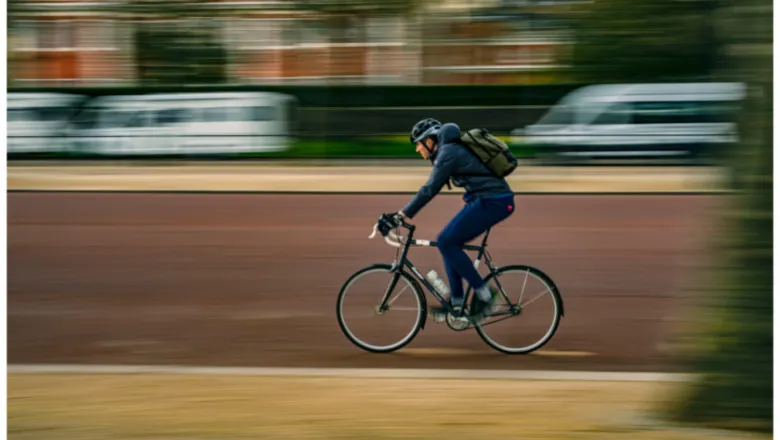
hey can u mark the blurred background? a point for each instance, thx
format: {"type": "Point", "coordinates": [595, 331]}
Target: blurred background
{"type": "Point", "coordinates": [405, 42]}
{"type": "Point", "coordinates": [348, 78]}
{"type": "Point", "coordinates": [683, 85]}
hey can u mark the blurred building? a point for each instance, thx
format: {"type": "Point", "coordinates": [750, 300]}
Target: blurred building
{"type": "Point", "coordinates": [503, 42]}
{"type": "Point", "coordinates": [68, 43]}
{"type": "Point", "coordinates": [113, 42]}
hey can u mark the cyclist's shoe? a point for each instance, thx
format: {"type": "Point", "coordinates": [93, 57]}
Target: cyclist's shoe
{"type": "Point", "coordinates": [440, 313]}
{"type": "Point", "coordinates": [483, 309]}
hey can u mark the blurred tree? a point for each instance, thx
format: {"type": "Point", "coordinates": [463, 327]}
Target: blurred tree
{"type": "Point", "coordinates": [644, 41]}
{"type": "Point", "coordinates": [12, 10]}
{"type": "Point", "coordinates": [358, 7]}
{"type": "Point", "coordinates": [733, 332]}
{"type": "Point", "coordinates": [13, 40]}
{"type": "Point", "coordinates": [189, 50]}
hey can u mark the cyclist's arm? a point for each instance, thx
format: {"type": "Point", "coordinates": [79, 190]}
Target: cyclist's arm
{"type": "Point", "coordinates": [443, 168]}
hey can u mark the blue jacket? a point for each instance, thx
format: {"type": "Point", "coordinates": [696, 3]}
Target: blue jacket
{"type": "Point", "coordinates": [453, 160]}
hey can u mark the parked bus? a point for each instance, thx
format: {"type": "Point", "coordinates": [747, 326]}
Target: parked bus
{"type": "Point", "coordinates": [185, 124]}
{"type": "Point", "coordinates": [37, 122]}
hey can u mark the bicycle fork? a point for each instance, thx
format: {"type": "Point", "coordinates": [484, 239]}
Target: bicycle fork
{"type": "Point", "coordinates": [384, 306]}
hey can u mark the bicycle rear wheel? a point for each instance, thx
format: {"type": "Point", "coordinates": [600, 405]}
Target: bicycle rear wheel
{"type": "Point", "coordinates": [528, 313]}
{"type": "Point", "coordinates": [374, 330]}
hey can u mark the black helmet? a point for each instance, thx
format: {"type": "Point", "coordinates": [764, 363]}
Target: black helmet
{"type": "Point", "coordinates": [423, 129]}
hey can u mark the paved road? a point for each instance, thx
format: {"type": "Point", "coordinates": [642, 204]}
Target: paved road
{"type": "Point", "coordinates": [251, 279]}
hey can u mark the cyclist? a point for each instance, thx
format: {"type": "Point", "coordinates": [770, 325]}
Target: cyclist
{"type": "Point", "coordinates": [488, 201]}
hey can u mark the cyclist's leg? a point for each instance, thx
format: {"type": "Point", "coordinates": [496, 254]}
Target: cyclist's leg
{"type": "Point", "coordinates": [454, 278]}
{"type": "Point", "coordinates": [456, 284]}
{"type": "Point", "coordinates": [471, 222]}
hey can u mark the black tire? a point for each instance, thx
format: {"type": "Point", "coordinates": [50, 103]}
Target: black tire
{"type": "Point", "coordinates": [556, 318]}
{"type": "Point", "coordinates": [418, 323]}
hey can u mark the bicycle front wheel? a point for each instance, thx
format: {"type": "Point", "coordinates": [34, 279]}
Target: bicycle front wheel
{"type": "Point", "coordinates": [527, 313]}
{"type": "Point", "coordinates": [365, 323]}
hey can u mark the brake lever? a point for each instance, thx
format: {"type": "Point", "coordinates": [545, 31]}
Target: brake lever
{"type": "Point", "coordinates": [390, 235]}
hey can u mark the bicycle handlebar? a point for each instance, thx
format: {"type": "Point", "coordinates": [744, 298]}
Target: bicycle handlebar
{"type": "Point", "coordinates": [390, 234]}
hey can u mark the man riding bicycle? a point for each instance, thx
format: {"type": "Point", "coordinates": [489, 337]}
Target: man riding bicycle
{"type": "Point", "coordinates": [489, 200]}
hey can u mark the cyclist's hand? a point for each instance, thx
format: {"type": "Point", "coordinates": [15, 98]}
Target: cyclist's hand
{"type": "Point", "coordinates": [386, 223]}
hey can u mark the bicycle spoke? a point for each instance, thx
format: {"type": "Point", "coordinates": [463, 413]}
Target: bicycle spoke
{"type": "Point", "coordinates": [397, 295]}
{"type": "Point", "coordinates": [522, 291]}
{"type": "Point", "coordinates": [535, 298]}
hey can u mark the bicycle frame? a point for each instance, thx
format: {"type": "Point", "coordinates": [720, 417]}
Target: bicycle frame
{"type": "Point", "coordinates": [404, 262]}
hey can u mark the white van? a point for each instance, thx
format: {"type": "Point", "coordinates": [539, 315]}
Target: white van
{"type": "Point", "coordinates": [638, 120]}
{"type": "Point", "coordinates": [185, 124]}
{"type": "Point", "coordinates": [37, 121]}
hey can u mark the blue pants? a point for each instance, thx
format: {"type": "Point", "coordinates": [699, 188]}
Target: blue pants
{"type": "Point", "coordinates": [472, 221]}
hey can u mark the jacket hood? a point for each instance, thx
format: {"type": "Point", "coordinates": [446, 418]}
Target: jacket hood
{"type": "Point", "coordinates": [448, 133]}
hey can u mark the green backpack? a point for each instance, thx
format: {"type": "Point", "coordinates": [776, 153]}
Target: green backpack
{"type": "Point", "coordinates": [490, 150]}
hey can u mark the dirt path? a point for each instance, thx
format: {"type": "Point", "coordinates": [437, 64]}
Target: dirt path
{"type": "Point", "coordinates": [253, 177]}
{"type": "Point", "coordinates": [104, 407]}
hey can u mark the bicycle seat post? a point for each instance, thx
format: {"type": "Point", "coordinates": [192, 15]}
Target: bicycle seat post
{"type": "Point", "coordinates": [485, 238]}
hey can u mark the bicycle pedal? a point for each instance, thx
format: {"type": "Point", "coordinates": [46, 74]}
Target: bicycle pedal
{"type": "Point", "coordinates": [439, 317]}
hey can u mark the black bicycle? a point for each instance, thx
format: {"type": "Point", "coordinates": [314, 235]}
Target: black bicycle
{"type": "Point", "coordinates": [371, 295]}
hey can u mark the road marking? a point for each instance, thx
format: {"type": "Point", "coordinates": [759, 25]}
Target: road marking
{"type": "Point", "coordinates": [562, 353]}
{"type": "Point", "coordinates": [435, 351]}
{"type": "Point", "coordinates": [609, 376]}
